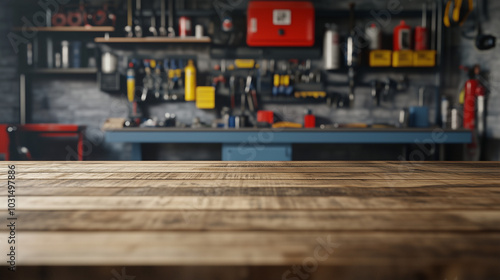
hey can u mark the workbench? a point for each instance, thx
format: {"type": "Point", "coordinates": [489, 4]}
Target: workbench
{"type": "Point", "coordinates": [251, 144]}
{"type": "Point", "coordinates": [254, 220]}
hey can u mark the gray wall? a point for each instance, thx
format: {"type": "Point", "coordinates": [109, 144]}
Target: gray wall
{"type": "Point", "coordinates": [490, 62]}
{"type": "Point", "coordinates": [77, 99]}
{"type": "Point", "coordinates": [9, 86]}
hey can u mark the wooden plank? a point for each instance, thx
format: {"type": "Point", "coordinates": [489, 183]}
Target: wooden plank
{"type": "Point", "coordinates": [252, 203]}
{"type": "Point", "coordinates": [256, 248]}
{"type": "Point", "coordinates": [256, 213]}
{"type": "Point", "coordinates": [257, 176]}
{"type": "Point", "coordinates": [431, 164]}
{"type": "Point", "coordinates": [285, 220]}
{"type": "Point", "coordinates": [451, 191]}
{"type": "Point", "coordinates": [249, 169]}
{"type": "Point", "coordinates": [351, 183]}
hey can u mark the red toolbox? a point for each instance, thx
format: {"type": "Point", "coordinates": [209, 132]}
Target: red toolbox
{"type": "Point", "coordinates": [280, 23]}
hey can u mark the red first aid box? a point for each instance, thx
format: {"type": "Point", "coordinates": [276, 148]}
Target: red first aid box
{"type": "Point", "coordinates": [280, 23]}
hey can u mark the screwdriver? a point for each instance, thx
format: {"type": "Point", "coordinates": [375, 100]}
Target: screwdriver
{"type": "Point", "coordinates": [130, 82]}
{"type": "Point", "coordinates": [232, 90]}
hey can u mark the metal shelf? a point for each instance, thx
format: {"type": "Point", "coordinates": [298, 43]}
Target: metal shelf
{"type": "Point", "coordinates": [152, 40]}
{"type": "Point", "coordinates": [69, 29]}
{"type": "Point", "coordinates": [64, 71]}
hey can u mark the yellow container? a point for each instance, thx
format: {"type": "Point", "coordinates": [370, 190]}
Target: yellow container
{"type": "Point", "coordinates": [205, 97]}
{"type": "Point", "coordinates": [305, 94]}
{"type": "Point", "coordinates": [402, 58]}
{"type": "Point", "coordinates": [425, 58]}
{"type": "Point", "coordinates": [130, 85]}
{"type": "Point", "coordinates": [190, 82]}
{"type": "Point", "coordinates": [380, 58]}
{"type": "Point", "coordinates": [276, 80]}
{"type": "Point", "coordinates": [244, 63]}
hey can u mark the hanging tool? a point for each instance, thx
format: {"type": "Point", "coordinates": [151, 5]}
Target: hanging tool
{"type": "Point", "coordinates": [163, 19]}
{"type": "Point", "coordinates": [171, 28]}
{"type": "Point", "coordinates": [128, 28]}
{"type": "Point", "coordinates": [152, 28]}
{"type": "Point", "coordinates": [251, 94]}
{"type": "Point", "coordinates": [157, 78]}
{"type": "Point", "coordinates": [276, 84]}
{"type": "Point", "coordinates": [165, 80]}
{"type": "Point", "coordinates": [376, 89]}
{"type": "Point", "coordinates": [232, 91]}
{"type": "Point", "coordinates": [351, 54]}
{"type": "Point", "coordinates": [243, 96]}
{"type": "Point", "coordinates": [147, 81]}
{"type": "Point", "coordinates": [483, 41]}
{"type": "Point", "coordinates": [434, 23]}
{"type": "Point", "coordinates": [421, 33]}
{"type": "Point", "coordinates": [131, 82]}
{"type": "Point", "coordinates": [138, 19]}
{"type": "Point", "coordinates": [456, 12]}
{"type": "Point", "coordinates": [172, 78]}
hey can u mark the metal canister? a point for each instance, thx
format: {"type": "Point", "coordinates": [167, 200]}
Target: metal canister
{"type": "Point", "coordinates": [65, 54]}
{"type": "Point", "coordinates": [455, 119]}
{"type": "Point", "coordinates": [108, 63]}
{"type": "Point", "coordinates": [331, 48]}
{"type": "Point", "coordinates": [185, 27]}
{"type": "Point", "coordinates": [444, 112]}
{"type": "Point", "coordinates": [403, 118]}
{"type": "Point", "coordinates": [480, 114]}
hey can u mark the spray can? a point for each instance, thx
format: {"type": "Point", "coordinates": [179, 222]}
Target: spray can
{"type": "Point", "coordinates": [190, 82]}
{"type": "Point", "coordinates": [131, 83]}
{"type": "Point", "coordinates": [185, 26]}
{"type": "Point", "coordinates": [331, 48]}
{"type": "Point", "coordinates": [374, 36]}
{"type": "Point", "coordinates": [445, 104]}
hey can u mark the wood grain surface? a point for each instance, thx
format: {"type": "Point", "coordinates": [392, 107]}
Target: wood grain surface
{"type": "Point", "coordinates": [256, 213]}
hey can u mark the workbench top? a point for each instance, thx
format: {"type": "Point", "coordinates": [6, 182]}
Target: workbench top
{"type": "Point", "coordinates": [289, 135]}
{"type": "Point", "coordinates": [256, 213]}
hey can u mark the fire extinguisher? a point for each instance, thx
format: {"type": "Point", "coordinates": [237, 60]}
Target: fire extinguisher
{"type": "Point", "coordinates": [472, 90]}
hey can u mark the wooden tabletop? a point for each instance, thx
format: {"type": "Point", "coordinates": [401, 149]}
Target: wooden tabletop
{"type": "Point", "coordinates": [255, 213]}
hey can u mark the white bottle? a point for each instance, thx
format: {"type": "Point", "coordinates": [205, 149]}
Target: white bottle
{"type": "Point", "coordinates": [374, 36]}
{"type": "Point", "coordinates": [331, 48]}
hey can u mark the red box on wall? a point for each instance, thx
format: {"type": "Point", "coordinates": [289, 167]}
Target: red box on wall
{"type": "Point", "coordinates": [280, 23]}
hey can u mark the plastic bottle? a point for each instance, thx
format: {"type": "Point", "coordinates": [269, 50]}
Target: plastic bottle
{"type": "Point", "coordinates": [190, 82]}
{"type": "Point", "coordinates": [402, 37]}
